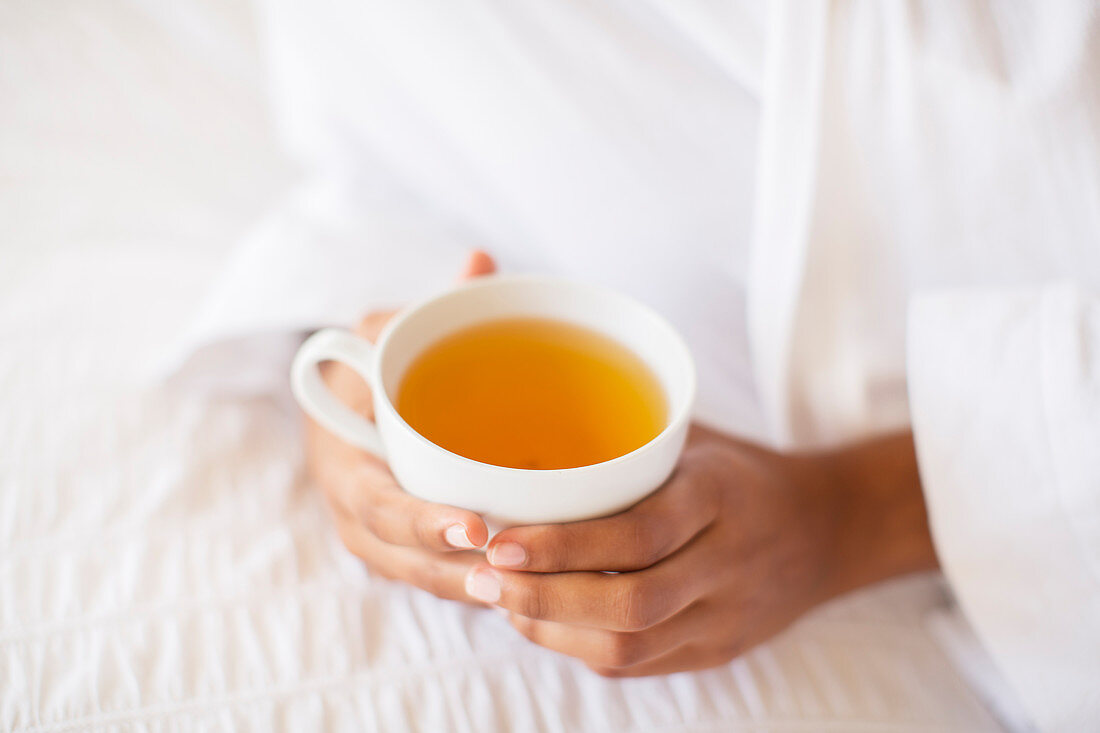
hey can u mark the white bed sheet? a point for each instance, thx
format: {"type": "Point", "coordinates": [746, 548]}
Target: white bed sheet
{"type": "Point", "coordinates": [163, 563]}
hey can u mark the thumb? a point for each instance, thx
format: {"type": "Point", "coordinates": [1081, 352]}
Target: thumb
{"type": "Point", "coordinates": [477, 264]}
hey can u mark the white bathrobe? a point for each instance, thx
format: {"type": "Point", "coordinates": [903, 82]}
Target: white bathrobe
{"type": "Point", "coordinates": [862, 215]}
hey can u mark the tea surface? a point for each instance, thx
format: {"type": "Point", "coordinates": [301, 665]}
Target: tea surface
{"type": "Point", "coordinates": [532, 393]}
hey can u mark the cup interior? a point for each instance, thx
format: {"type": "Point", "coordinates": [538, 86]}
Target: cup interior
{"type": "Point", "coordinates": [617, 316]}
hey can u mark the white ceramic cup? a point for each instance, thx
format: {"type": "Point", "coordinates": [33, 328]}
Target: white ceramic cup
{"type": "Point", "coordinates": [505, 496]}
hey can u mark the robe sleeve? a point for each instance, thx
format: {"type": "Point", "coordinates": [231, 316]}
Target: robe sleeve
{"type": "Point", "coordinates": [1005, 397]}
{"type": "Point", "coordinates": [325, 255]}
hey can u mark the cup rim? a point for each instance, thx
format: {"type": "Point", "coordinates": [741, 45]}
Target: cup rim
{"type": "Point", "coordinates": [672, 426]}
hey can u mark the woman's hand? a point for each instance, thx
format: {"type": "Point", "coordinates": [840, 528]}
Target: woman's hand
{"type": "Point", "coordinates": [394, 533]}
{"type": "Point", "coordinates": [736, 545]}
{"type": "Point", "coordinates": [739, 543]}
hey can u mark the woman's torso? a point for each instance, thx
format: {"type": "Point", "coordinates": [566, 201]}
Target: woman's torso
{"type": "Point", "coordinates": [619, 142]}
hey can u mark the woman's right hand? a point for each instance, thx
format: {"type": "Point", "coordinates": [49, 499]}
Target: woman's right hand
{"type": "Point", "coordinates": [394, 533]}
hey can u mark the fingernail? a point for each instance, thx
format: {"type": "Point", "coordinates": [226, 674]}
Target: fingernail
{"type": "Point", "coordinates": [456, 537]}
{"type": "Point", "coordinates": [507, 555]}
{"type": "Point", "coordinates": [483, 585]}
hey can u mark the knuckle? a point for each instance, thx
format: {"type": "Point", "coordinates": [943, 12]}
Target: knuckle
{"type": "Point", "coordinates": [637, 607]}
{"type": "Point", "coordinates": [621, 649]}
{"type": "Point", "coordinates": [380, 517]}
{"type": "Point", "coordinates": [429, 577]}
{"type": "Point", "coordinates": [711, 495]}
{"type": "Point", "coordinates": [368, 516]}
{"type": "Point", "coordinates": [648, 540]}
{"type": "Point", "coordinates": [550, 545]}
{"type": "Point", "coordinates": [533, 599]}
{"type": "Point", "coordinates": [425, 531]}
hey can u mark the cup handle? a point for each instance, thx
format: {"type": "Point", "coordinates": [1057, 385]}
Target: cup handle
{"type": "Point", "coordinates": [335, 344]}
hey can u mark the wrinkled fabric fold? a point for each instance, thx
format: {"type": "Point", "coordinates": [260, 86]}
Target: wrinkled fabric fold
{"type": "Point", "coordinates": [1005, 389]}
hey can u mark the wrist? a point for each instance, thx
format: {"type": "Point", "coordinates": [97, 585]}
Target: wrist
{"type": "Point", "coordinates": [880, 525]}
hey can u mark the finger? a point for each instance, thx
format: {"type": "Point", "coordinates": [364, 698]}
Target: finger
{"type": "Point", "coordinates": [631, 540]}
{"type": "Point", "coordinates": [369, 493]}
{"type": "Point", "coordinates": [603, 648]}
{"type": "Point", "coordinates": [477, 264]}
{"type": "Point", "coordinates": [345, 381]}
{"type": "Point", "coordinates": [371, 325]}
{"type": "Point", "coordinates": [686, 658]}
{"type": "Point", "coordinates": [441, 574]}
{"type": "Point", "coordinates": [619, 602]}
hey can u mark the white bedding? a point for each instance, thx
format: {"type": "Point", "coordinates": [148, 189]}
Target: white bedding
{"type": "Point", "coordinates": [163, 563]}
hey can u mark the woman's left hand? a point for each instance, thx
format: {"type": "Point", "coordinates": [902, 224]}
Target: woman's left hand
{"type": "Point", "coordinates": [739, 543]}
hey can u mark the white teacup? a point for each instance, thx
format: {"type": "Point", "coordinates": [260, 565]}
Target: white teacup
{"type": "Point", "coordinates": [505, 496]}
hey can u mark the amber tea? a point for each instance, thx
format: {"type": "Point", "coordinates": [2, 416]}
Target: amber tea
{"type": "Point", "coordinates": [532, 393]}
